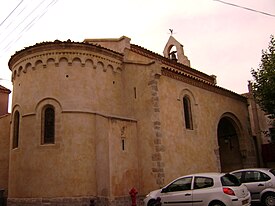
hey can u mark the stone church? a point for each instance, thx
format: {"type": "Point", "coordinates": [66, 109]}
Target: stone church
{"type": "Point", "coordinates": [90, 120]}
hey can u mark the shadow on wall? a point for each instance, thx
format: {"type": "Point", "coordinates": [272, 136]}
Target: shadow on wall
{"type": "Point", "coordinates": [3, 200]}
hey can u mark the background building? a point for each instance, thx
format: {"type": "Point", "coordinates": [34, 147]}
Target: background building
{"type": "Point", "coordinates": [263, 131]}
{"type": "Point", "coordinates": [4, 142]}
{"type": "Point", "coordinates": [91, 120]}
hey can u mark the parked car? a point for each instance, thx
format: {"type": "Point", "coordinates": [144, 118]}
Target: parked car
{"type": "Point", "coordinates": [204, 189]}
{"type": "Point", "coordinates": [260, 182]}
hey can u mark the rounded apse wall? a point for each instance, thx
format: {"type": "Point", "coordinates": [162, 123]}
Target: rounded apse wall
{"type": "Point", "coordinates": [62, 84]}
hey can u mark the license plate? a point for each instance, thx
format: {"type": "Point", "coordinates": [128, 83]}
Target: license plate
{"type": "Point", "coordinates": [244, 202]}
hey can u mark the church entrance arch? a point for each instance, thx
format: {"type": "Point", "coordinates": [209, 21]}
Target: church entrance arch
{"type": "Point", "coordinates": [229, 148]}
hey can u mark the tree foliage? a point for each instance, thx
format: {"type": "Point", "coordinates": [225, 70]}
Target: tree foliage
{"type": "Point", "coordinates": [263, 85]}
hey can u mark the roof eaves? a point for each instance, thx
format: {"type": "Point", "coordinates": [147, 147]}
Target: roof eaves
{"type": "Point", "coordinates": [4, 90]}
{"type": "Point", "coordinates": [205, 84]}
{"type": "Point", "coordinates": [164, 60]}
{"type": "Point", "coordinates": [64, 43]}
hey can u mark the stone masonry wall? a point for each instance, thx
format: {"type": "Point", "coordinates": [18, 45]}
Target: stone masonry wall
{"type": "Point", "coordinates": [158, 163]}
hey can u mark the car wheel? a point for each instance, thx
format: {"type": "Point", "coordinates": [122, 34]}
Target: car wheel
{"type": "Point", "coordinates": [151, 203]}
{"type": "Point", "coordinates": [269, 199]}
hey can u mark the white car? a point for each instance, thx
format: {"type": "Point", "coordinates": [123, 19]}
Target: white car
{"type": "Point", "coordinates": [260, 182]}
{"type": "Point", "coordinates": [204, 189]}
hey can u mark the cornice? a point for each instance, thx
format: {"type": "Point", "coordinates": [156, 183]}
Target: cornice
{"type": "Point", "coordinates": [69, 46]}
{"type": "Point", "coordinates": [180, 76]}
{"type": "Point", "coordinates": [94, 60]}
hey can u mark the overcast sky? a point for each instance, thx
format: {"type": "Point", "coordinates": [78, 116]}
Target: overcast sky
{"type": "Point", "coordinates": [218, 38]}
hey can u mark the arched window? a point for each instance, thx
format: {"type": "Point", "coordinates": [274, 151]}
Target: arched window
{"type": "Point", "coordinates": [15, 138]}
{"type": "Point", "coordinates": [48, 126]}
{"type": "Point", "coordinates": [187, 113]}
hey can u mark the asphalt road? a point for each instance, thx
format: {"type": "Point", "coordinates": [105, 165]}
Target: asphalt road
{"type": "Point", "coordinates": [256, 204]}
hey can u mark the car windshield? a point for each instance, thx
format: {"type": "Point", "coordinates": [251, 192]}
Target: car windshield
{"type": "Point", "coordinates": [272, 171]}
{"type": "Point", "coordinates": [230, 180]}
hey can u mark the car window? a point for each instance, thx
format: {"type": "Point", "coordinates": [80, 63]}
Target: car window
{"type": "Point", "coordinates": [180, 185]}
{"type": "Point", "coordinates": [238, 175]}
{"type": "Point", "coordinates": [264, 177]}
{"type": "Point", "coordinates": [203, 182]}
{"type": "Point", "coordinates": [255, 176]}
{"type": "Point", "coordinates": [230, 180]}
{"type": "Point", "coordinates": [272, 171]}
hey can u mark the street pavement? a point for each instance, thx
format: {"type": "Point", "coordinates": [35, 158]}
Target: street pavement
{"type": "Point", "coordinates": [256, 204]}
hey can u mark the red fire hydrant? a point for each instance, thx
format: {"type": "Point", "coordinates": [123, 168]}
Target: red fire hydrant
{"type": "Point", "coordinates": [133, 193]}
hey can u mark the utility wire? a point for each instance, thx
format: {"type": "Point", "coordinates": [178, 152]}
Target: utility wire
{"type": "Point", "coordinates": [242, 7]}
{"type": "Point", "coordinates": [11, 13]}
{"type": "Point", "coordinates": [11, 21]}
{"type": "Point", "coordinates": [7, 36]}
{"type": "Point", "coordinates": [28, 26]}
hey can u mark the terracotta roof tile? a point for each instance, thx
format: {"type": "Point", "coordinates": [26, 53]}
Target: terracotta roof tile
{"type": "Point", "coordinates": [189, 72]}
{"type": "Point", "coordinates": [4, 90]}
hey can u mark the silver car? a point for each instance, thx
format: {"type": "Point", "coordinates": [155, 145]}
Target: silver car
{"type": "Point", "coordinates": [260, 182]}
{"type": "Point", "coordinates": [204, 189]}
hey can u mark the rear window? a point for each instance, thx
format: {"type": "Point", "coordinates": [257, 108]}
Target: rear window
{"type": "Point", "coordinates": [230, 180]}
{"type": "Point", "coordinates": [272, 171]}
{"type": "Point", "coordinates": [203, 182]}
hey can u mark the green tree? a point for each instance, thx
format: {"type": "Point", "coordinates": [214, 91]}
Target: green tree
{"type": "Point", "coordinates": [263, 85]}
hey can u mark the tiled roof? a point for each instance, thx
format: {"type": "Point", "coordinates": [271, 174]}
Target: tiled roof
{"type": "Point", "coordinates": [64, 44]}
{"type": "Point", "coordinates": [203, 80]}
{"type": "Point", "coordinates": [173, 64]}
{"type": "Point", "coordinates": [170, 65]}
{"type": "Point", "coordinates": [57, 42]}
{"type": "Point", "coordinates": [4, 90]}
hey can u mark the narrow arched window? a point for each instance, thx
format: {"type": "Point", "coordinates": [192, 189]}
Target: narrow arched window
{"type": "Point", "coordinates": [187, 113]}
{"type": "Point", "coordinates": [48, 128]}
{"type": "Point", "coordinates": [15, 138]}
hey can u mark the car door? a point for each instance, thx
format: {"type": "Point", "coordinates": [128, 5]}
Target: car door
{"type": "Point", "coordinates": [255, 182]}
{"type": "Point", "coordinates": [177, 193]}
{"type": "Point", "coordinates": [202, 190]}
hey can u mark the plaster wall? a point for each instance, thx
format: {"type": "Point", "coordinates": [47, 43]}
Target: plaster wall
{"type": "Point", "coordinates": [169, 149]}
{"type": "Point", "coordinates": [124, 162]}
{"type": "Point", "coordinates": [66, 168]}
{"type": "Point", "coordinates": [4, 154]}
{"type": "Point", "coordinates": [4, 102]}
{"type": "Point", "coordinates": [138, 76]}
{"type": "Point", "coordinates": [119, 123]}
{"type": "Point", "coordinates": [182, 144]}
{"type": "Point", "coordinates": [102, 157]}
{"type": "Point", "coordinates": [80, 90]}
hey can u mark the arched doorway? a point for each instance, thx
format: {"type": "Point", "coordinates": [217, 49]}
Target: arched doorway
{"type": "Point", "coordinates": [228, 138]}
